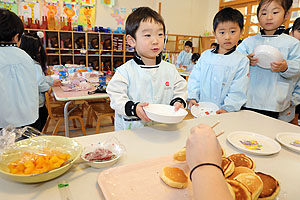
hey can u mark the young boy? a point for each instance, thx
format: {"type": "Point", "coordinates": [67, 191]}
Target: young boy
{"type": "Point", "coordinates": [146, 78]}
{"type": "Point", "coordinates": [221, 74]}
{"type": "Point", "coordinates": [184, 57]}
{"type": "Point", "coordinates": [19, 86]}
{"type": "Point", "coordinates": [194, 59]}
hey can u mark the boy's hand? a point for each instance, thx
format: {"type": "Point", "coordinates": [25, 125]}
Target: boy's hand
{"type": "Point", "coordinates": [253, 61]}
{"type": "Point", "coordinates": [221, 111]}
{"type": "Point", "coordinates": [279, 66]}
{"type": "Point", "coordinates": [140, 111]}
{"type": "Point", "coordinates": [57, 82]}
{"type": "Point", "coordinates": [178, 105]}
{"type": "Point", "coordinates": [193, 102]}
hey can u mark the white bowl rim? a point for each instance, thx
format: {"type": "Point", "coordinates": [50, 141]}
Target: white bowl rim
{"type": "Point", "coordinates": [146, 108]}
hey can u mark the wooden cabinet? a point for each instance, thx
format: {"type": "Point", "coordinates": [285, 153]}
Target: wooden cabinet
{"type": "Point", "coordinates": [102, 51]}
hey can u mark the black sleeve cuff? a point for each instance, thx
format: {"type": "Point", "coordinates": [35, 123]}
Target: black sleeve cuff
{"type": "Point", "coordinates": [178, 99]}
{"type": "Point", "coordinates": [130, 108]}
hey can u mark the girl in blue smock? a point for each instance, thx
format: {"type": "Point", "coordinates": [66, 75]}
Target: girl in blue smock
{"type": "Point", "coordinates": [184, 57]}
{"type": "Point", "coordinates": [270, 90]}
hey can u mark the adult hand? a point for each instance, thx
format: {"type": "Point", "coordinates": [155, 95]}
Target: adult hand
{"type": "Point", "coordinates": [202, 146]}
{"type": "Point", "coordinates": [193, 102]}
{"type": "Point", "coordinates": [221, 111]}
{"type": "Point", "coordinates": [279, 66]}
{"type": "Point", "coordinates": [253, 61]}
{"type": "Point", "coordinates": [140, 111]}
{"type": "Point", "coordinates": [178, 105]}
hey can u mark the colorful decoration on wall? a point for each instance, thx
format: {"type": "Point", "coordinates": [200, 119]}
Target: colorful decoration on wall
{"type": "Point", "coordinates": [8, 1]}
{"type": "Point", "coordinates": [109, 3]}
{"type": "Point", "coordinates": [87, 16]}
{"type": "Point", "coordinates": [9, 6]}
{"type": "Point", "coordinates": [51, 1]}
{"type": "Point", "coordinates": [70, 12]}
{"type": "Point", "coordinates": [30, 10]}
{"type": "Point", "coordinates": [87, 2]}
{"type": "Point", "coordinates": [51, 10]}
{"type": "Point", "coordinates": [118, 17]}
{"type": "Point", "coordinates": [71, 1]}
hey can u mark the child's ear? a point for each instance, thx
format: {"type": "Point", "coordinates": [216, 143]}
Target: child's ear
{"type": "Point", "coordinates": [287, 15]}
{"type": "Point", "coordinates": [130, 40]}
{"type": "Point", "coordinates": [214, 33]}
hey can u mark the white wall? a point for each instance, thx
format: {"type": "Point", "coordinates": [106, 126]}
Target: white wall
{"type": "Point", "coordinates": [189, 17]}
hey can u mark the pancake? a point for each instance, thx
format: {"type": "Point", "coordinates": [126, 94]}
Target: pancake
{"type": "Point", "coordinates": [227, 166]}
{"type": "Point", "coordinates": [223, 153]}
{"type": "Point", "coordinates": [240, 190]}
{"type": "Point", "coordinates": [242, 160]}
{"type": "Point", "coordinates": [174, 177]}
{"type": "Point", "coordinates": [231, 191]}
{"type": "Point", "coordinates": [252, 182]}
{"type": "Point", "coordinates": [180, 155]}
{"type": "Point", "coordinates": [239, 170]}
{"type": "Point", "coordinates": [271, 186]}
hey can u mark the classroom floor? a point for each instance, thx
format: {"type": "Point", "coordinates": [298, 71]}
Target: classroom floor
{"type": "Point", "coordinates": [106, 126]}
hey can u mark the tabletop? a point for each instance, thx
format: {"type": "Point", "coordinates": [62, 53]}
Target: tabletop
{"type": "Point", "coordinates": [61, 95]}
{"type": "Point", "coordinates": [161, 140]}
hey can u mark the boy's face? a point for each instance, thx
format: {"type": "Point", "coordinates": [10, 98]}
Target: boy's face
{"type": "Point", "coordinates": [271, 16]}
{"type": "Point", "coordinates": [187, 48]}
{"type": "Point", "coordinates": [149, 41]}
{"type": "Point", "coordinates": [227, 35]}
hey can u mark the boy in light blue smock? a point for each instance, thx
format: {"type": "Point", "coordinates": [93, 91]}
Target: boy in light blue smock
{"type": "Point", "coordinates": [184, 57]}
{"type": "Point", "coordinates": [146, 78]}
{"type": "Point", "coordinates": [221, 75]}
{"type": "Point", "coordinates": [270, 90]}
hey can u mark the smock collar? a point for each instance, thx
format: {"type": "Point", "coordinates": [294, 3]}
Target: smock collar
{"type": "Point", "coordinates": [216, 50]}
{"type": "Point", "coordinates": [140, 62]}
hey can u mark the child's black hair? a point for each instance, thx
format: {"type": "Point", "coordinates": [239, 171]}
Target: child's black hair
{"type": "Point", "coordinates": [296, 25]}
{"type": "Point", "coordinates": [286, 4]}
{"type": "Point", "coordinates": [214, 44]}
{"type": "Point", "coordinates": [195, 57]}
{"type": "Point", "coordinates": [10, 25]}
{"type": "Point", "coordinates": [188, 43]}
{"type": "Point", "coordinates": [139, 15]}
{"type": "Point", "coordinates": [228, 15]}
{"type": "Point", "coordinates": [33, 46]}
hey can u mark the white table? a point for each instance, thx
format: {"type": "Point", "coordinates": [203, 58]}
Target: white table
{"type": "Point", "coordinates": [70, 97]}
{"type": "Point", "coordinates": [160, 140]}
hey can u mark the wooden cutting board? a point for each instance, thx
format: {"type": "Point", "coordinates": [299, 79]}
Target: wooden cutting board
{"type": "Point", "coordinates": [141, 181]}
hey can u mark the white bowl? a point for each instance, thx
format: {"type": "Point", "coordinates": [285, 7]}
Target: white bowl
{"type": "Point", "coordinates": [115, 149]}
{"type": "Point", "coordinates": [267, 54]}
{"type": "Point", "coordinates": [165, 113]}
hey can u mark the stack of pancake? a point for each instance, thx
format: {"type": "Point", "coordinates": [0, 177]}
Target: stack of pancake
{"type": "Point", "coordinates": [243, 182]}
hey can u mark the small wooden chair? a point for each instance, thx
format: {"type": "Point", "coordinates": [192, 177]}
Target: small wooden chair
{"type": "Point", "coordinates": [98, 110]}
{"type": "Point", "coordinates": [56, 112]}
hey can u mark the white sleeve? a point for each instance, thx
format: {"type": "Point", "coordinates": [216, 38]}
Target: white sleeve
{"type": "Point", "coordinates": [180, 87]}
{"type": "Point", "coordinates": [43, 85]}
{"type": "Point", "coordinates": [117, 91]}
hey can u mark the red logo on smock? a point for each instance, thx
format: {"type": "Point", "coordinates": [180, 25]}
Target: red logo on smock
{"type": "Point", "coordinates": [167, 83]}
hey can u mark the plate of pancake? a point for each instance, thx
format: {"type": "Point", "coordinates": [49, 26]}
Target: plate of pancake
{"type": "Point", "coordinates": [253, 143]}
{"type": "Point", "coordinates": [289, 140]}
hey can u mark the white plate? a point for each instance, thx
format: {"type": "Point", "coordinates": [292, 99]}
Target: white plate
{"type": "Point", "coordinates": [267, 54]}
{"type": "Point", "coordinates": [165, 113]}
{"type": "Point", "coordinates": [289, 140]}
{"type": "Point", "coordinates": [204, 109]}
{"type": "Point", "coordinates": [253, 143]}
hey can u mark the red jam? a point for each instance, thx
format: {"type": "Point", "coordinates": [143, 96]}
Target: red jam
{"type": "Point", "coordinates": [100, 155]}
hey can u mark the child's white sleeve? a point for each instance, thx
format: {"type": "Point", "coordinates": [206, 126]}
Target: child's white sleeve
{"type": "Point", "coordinates": [117, 91]}
{"type": "Point", "coordinates": [43, 85]}
{"type": "Point", "coordinates": [179, 59]}
{"type": "Point", "coordinates": [296, 94]}
{"type": "Point", "coordinates": [193, 85]}
{"type": "Point", "coordinates": [242, 48]}
{"type": "Point", "coordinates": [237, 94]}
{"type": "Point", "coordinates": [293, 62]}
{"type": "Point", "coordinates": [180, 90]}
